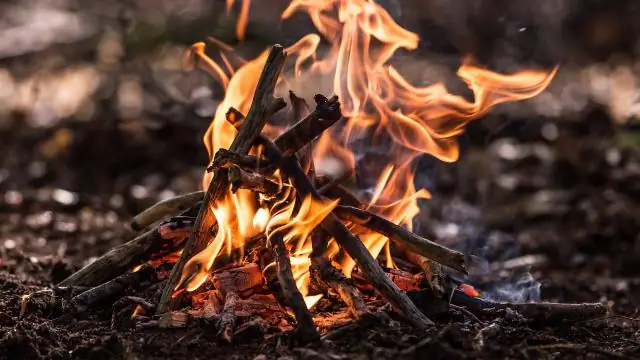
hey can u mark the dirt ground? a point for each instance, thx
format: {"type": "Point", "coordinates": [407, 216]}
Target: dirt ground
{"type": "Point", "coordinates": [565, 188]}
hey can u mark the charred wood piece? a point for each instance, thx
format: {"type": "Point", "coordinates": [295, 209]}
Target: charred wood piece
{"type": "Point", "coordinates": [238, 280]}
{"type": "Point", "coordinates": [224, 158]}
{"type": "Point", "coordinates": [112, 287]}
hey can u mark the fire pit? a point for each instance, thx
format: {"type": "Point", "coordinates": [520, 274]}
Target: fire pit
{"type": "Point", "coordinates": [304, 230]}
{"type": "Point", "coordinates": [283, 221]}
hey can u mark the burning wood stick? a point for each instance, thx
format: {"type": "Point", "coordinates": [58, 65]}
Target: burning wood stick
{"type": "Point", "coordinates": [263, 100]}
{"type": "Point", "coordinates": [238, 279]}
{"type": "Point", "coordinates": [306, 329]}
{"type": "Point", "coordinates": [431, 269]}
{"type": "Point", "coordinates": [349, 242]}
{"type": "Point", "coordinates": [396, 233]}
{"type": "Point", "coordinates": [241, 179]}
{"type": "Point", "coordinates": [155, 243]}
{"type": "Point", "coordinates": [326, 113]}
{"type": "Point", "coordinates": [165, 208]}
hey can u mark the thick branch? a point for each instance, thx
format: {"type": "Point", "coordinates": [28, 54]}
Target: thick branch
{"type": "Point", "coordinates": [155, 243]}
{"type": "Point", "coordinates": [110, 288]}
{"type": "Point", "coordinates": [306, 328]}
{"type": "Point", "coordinates": [545, 312]}
{"type": "Point", "coordinates": [326, 113]}
{"type": "Point", "coordinates": [250, 129]}
{"type": "Point", "coordinates": [397, 233]}
{"type": "Point", "coordinates": [246, 179]}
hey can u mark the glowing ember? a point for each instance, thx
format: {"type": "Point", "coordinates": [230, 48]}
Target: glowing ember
{"type": "Point", "coordinates": [469, 290]}
{"type": "Point", "coordinates": [382, 109]}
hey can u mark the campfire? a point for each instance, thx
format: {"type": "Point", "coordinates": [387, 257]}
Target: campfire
{"type": "Point", "coordinates": [303, 203]}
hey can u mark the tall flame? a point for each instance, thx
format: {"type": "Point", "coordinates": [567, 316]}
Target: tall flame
{"type": "Point", "coordinates": [383, 109]}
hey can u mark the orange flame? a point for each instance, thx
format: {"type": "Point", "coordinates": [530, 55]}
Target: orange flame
{"type": "Point", "coordinates": [382, 108]}
{"type": "Point", "coordinates": [243, 17]}
{"type": "Point", "coordinates": [296, 229]}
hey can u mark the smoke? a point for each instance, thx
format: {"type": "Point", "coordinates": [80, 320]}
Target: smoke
{"type": "Point", "coordinates": [523, 288]}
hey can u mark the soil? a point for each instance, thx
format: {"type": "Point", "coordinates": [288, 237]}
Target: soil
{"type": "Point", "coordinates": [566, 189]}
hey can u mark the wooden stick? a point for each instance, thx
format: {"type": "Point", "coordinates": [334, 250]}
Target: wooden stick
{"type": "Point", "coordinates": [326, 113]}
{"type": "Point", "coordinates": [300, 109]}
{"type": "Point", "coordinates": [349, 242]}
{"type": "Point", "coordinates": [250, 180]}
{"type": "Point", "coordinates": [263, 99]}
{"type": "Point", "coordinates": [306, 329]}
{"type": "Point", "coordinates": [165, 208]}
{"type": "Point", "coordinates": [155, 243]}
{"type": "Point", "coordinates": [397, 233]}
{"type": "Point", "coordinates": [551, 312]}
{"type": "Point", "coordinates": [547, 312]}
{"type": "Point", "coordinates": [329, 183]}
{"type": "Point", "coordinates": [96, 294]}
{"type": "Point", "coordinates": [225, 158]}
{"type": "Point", "coordinates": [327, 275]}
{"type": "Point", "coordinates": [340, 192]}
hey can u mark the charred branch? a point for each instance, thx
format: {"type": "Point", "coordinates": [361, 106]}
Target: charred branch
{"type": "Point", "coordinates": [249, 180]}
{"type": "Point", "coordinates": [545, 312]}
{"type": "Point", "coordinates": [112, 287]}
{"type": "Point", "coordinates": [155, 243]}
{"type": "Point", "coordinates": [326, 113]}
{"type": "Point", "coordinates": [250, 129]}
{"type": "Point", "coordinates": [306, 329]}
{"type": "Point", "coordinates": [396, 233]}
{"type": "Point", "coordinates": [225, 158]}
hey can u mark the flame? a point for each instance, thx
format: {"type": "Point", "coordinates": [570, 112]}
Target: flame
{"type": "Point", "coordinates": [243, 17]}
{"type": "Point", "coordinates": [394, 119]}
{"type": "Point", "coordinates": [296, 232]}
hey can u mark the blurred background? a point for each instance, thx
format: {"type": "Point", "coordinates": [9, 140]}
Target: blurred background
{"type": "Point", "coordinates": [98, 120]}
